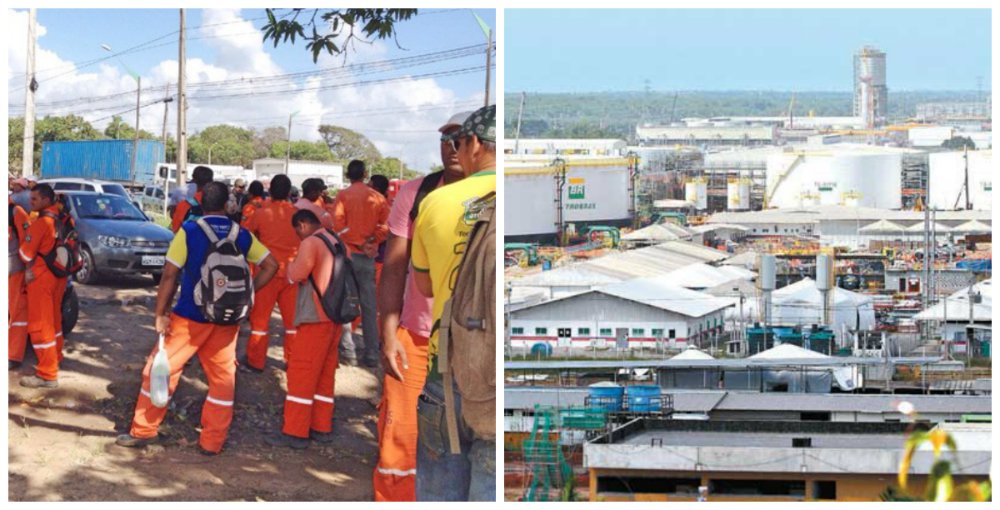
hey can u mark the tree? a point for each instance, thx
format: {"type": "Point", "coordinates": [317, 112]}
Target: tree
{"type": "Point", "coordinates": [390, 167]}
{"type": "Point", "coordinates": [228, 145]}
{"type": "Point", "coordinates": [15, 144]}
{"type": "Point", "coordinates": [959, 143]}
{"type": "Point", "coordinates": [302, 150]}
{"type": "Point", "coordinates": [120, 130]}
{"type": "Point", "coordinates": [373, 23]}
{"type": "Point", "coordinates": [263, 141]}
{"type": "Point", "coordinates": [347, 145]}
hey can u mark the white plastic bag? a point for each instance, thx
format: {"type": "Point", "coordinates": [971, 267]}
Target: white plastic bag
{"type": "Point", "coordinates": [159, 379]}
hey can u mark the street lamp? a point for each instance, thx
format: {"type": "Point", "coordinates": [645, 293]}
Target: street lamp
{"type": "Point", "coordinates": [138, 95]}
{"type": "Point", "coordinates": [210, 152]}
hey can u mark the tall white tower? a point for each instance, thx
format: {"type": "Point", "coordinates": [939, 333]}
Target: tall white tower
{"type": "Point", "coordinates": [871, 96]}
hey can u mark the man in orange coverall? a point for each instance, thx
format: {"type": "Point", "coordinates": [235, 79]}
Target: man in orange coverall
{"type": "Point", "coordinates": [312, 363]}
{"type": "Point", "coordinates": [188, 332]}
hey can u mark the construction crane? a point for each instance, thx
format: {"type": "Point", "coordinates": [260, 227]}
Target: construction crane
{"type": "Point", "coordinates": [791, 114]}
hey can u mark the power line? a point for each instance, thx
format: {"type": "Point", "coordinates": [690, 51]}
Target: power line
{"type": "Point", "coordinates": [355, 69]}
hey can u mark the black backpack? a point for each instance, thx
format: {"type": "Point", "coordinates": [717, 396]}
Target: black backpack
{"type": "Point", "coordinates": [64, 259]}
{"type": "Point", "coordinates": [224, 293]}
{"type": "Point", "coordinates": [342, 299]}
{"type": "Point", "coordinates": [194, 212]}
{"type": "Point", "coordinates": [428, 185]}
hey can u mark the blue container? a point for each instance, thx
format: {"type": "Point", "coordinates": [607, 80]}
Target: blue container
{"type": "Point", "coordinates": [546, 265]}
{"type": "Point", "coordinates": [606, 397]}
{"type": "Point", "coordinates": [644, 398]}
{"type": "Point", "coordinates": [106, 160]}
{"type": "Point", "coordinates": [541, 350]}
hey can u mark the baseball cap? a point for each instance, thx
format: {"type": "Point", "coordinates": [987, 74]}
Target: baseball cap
{"type": "Point", "coordinates": [239, 182]}
{"type": "Point", "coordinates": [455, 120]}
{"type": "Point", "coordinates": [22, 182]}
{"type": "Point", "coordinates": [312, 184]}
{"type": "Point", "coordinates": [482, 124]}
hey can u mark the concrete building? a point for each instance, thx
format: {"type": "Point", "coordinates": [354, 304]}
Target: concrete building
{"type": "Point", "coordinates": [670, 460]}
{"type": "Point", "coordinates": [960, 312]}
{"type": "Point", "coordinates": [717, 135]}
{"type": "Point", "coordinates": [299, 171]}
{"type": "Point", "coordinates": [565, 146]}
{"type": "Point", "coordinates": [627, 315]}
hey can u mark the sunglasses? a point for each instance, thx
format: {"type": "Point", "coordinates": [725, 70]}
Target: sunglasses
{"type": "Point", "coordinates": [455, 141]}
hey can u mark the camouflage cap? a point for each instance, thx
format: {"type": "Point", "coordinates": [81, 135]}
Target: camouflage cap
{"type": "Point", "coordinates": [482, 124]}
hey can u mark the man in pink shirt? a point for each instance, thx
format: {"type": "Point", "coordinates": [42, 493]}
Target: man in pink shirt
{"type": "Point", "coordinates": [312, 190]}
{"type": "Point", "coordinates": [406, 320]}
{"type": "Point", "coordinates": [312, 363]}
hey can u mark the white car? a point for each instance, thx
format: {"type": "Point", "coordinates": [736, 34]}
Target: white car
{"type": "Point", "coordinates": [76, 184]}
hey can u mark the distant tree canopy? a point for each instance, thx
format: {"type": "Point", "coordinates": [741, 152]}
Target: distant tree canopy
{"type": "Point", "coordinates": [392, 168]}
{"type": "Point", "coordinates": [616, 114]}
{"type": "Point", "coordinates": [227, 145]}
{"type": "Point", "coordinates": [347, 145]}
{"type": "Point", "coordinates": [335, 30]}
{"type": "Point", "coordinates": [958, 143]}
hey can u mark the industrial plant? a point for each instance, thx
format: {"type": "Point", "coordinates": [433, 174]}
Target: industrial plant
{"type": "Point", "coordinates": [750, 308]}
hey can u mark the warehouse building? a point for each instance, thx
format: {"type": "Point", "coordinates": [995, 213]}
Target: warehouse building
{"type": "Point", "coordinates": [709, 134]}
{"type": "Point", "coordinates": [675, 460]}
{"type": "Point", "coordinates": [626, 315]}
{"type": "Point", "coordinates": [565, 146]}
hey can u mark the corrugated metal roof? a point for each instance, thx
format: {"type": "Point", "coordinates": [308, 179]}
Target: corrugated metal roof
{"type": "Point", "coordinates": [699, 276]}
{"type": "Point", "coordinates": [660, 292]}
{"type": "Point", "coordinates": [819, 213]}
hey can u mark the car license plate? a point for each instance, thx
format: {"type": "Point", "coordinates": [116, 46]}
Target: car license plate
{"type": "Point", "coordinates": [153, 260]}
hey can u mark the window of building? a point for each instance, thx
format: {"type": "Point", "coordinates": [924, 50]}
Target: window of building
{"type": "Point", "coordinates": [637, 484]}
{"type": "Point", "coordinates": [815, 416]}
{"type": "Point", "coordinates": [606, 332]}
{"type": "Point", "coordinates": [583, 331]}
{"type": "Point", "coordinates": [657, 333]}
{"type": "Point", "coordinates": [542, 331]}
{"type": "Point", "coordinates": [638, 332]}
{"type": "Point", "coordinates": [517, 331]}
{"type": "Point", "coordinates": [672, 333]}
{"type": "Point", "coordinates": [824, 489]}
{"type": "Point", "coordinates": [802, 442]}
{"type": "Point", "coordinates": [757, 487]}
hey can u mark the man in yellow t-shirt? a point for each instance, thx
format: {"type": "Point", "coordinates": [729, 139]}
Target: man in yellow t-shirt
{"type": "Point", "coordinates": [441, 231]}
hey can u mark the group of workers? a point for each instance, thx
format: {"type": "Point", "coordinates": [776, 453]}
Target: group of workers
{"type": "Point", "coordinates": [35, 292]}
{"type": "Point", "coordinates": [404, 256]}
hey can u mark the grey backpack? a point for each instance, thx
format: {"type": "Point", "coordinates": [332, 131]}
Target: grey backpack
{"type": "Point", "coordinates": [224, 293]}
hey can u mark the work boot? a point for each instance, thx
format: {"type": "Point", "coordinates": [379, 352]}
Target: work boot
{"type": "Point", "coordinates": [33, 381]}
{"type": "Point", "coordinates": [246, 367]}
{"type": "Point", "coordinates": [322, 437]}
{"type": "Point", "coordinates": [130, 441]}
{"type": "Point", "coordinates": [281, 439]}
{"type": "Point", "coordinates": [13, 365]}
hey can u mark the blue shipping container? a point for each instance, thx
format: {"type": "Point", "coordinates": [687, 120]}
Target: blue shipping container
{"type": "Point", "coordinates": [107, 160]}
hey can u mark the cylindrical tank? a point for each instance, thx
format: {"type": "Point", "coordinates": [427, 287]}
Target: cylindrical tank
{"type": "Point", "coordinates": [738, 194]}
{"type": "Point", "coordinates": [767, 272]}
{"type": "Point", "coordinates": [874, 173]}
{"type": "Point", "coordinates": [541, 350]}
{"type": "Point", "coordinates": [824, 272]}
{"type": "Point", "coordinates": [809, 199]}
{"type": "Point", "coordinates": [607, 396]}
{"type": "Point", "coordinates": [851, 198]}
{"type": "Point", "coordinates": [643, 398]}
{"type": "Point", "coordinates": [696, 192]}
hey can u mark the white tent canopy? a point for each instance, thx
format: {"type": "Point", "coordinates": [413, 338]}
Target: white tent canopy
{"type": "Point", "coordinates": [703, 276]}
{"type": "Point", "coordinates": [973, 227]}
{"type": "Point", "coordinates": [692, 353]}
{"type": "Point", "coordinates": [801, 303]}
{"type": "Point", "coordinates": [882, 227]}
{"type": "Point", "coordinates": [919, 227]}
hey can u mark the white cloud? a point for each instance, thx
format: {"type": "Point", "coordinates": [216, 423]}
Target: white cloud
{"type": "Point", "coordinates": [404, 124]}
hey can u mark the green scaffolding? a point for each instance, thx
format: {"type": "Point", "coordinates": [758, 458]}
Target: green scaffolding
{"type": "Point", "coordinates": [551, 474]}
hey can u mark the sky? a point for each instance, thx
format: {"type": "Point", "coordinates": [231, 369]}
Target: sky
{"type": "Point", "coordinates": [741, 49]}
{"type": "Point", "coordinates": [400, 112]}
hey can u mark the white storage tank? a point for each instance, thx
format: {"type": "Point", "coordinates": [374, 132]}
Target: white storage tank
{"type": "Point", "coordinates": [738, 194]}
{"type": "Point", "coordinates": [596, 190]}
{"type": "Point", "coordinates": [872, 174]}
{"type": "Point", "coordinates": [696, 192]}
{"type": "Point", "coordinates": [947, 179]}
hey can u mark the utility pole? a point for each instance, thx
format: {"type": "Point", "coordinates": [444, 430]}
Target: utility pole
{"type": "Point", "coordinates": [166, 175]}
{"type": "Point", "coordinates": [30, 86]}
{"type": "Point", "coordinates": [135, 141]}
{"type": "Point", "coordinates": [489, 61]}
{"type": "Point", "coordinates": [517, 135]}
{"type": "Point", "coordinates": [288, 149]}
{"type": "Point", "coordinates": [968, 203]}
{"type": "Point", "coordinates": [181, 109]}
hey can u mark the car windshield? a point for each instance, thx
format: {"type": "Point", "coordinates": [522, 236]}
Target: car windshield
{"type": "Point", "coordinates": [106, 207]}
{"type": "Point", "coordinates": [115, 189]}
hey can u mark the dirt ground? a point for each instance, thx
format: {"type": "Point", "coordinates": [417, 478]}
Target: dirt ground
{"type": "Point", "coordinates": [61, 442]}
